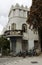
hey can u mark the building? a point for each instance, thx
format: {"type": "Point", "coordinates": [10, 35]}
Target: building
{"type": "Point", "coordinates": [17, 30]}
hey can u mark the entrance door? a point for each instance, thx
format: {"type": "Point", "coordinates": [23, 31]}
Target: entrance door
{"type": "Point", "coordinates": [24, 45]}
{"type": "Point", "coordinates": [36, 44]}
{"type": "Point", "coordinates": [13, 45]}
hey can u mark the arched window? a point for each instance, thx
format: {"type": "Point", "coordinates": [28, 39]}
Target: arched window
{"type": "Point", "coordinates": [24, 27]}
{"type": "Point", "coordinates": [13, 26]}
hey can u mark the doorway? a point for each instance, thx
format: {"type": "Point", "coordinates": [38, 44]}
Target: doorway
{"type": "Point", "coordinates": [24, 45]}
{"type": "Point", "coordinates": [13, 40]}
{"type": "Point", "coordinates": [36, 44]}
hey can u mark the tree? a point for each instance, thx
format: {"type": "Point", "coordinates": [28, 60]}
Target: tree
{"type": "Point", "coordinates": [35, 17]}
{"type": "Point", "coordinates": [4, 44]}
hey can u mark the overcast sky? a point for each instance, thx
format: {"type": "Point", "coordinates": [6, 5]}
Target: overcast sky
{"type": "Point", "coordinates": [5, 7]}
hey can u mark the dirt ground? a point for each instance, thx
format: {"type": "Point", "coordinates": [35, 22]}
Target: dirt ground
{"type": "Point", "coordinates": [21, 61]}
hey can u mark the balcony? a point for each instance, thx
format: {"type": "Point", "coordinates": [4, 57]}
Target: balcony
{"type": "Point", "coordinates": [13, 33]}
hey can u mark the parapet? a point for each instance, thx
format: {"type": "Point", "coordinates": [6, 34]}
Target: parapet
{"type": "Point", "coordinates": [17, 6]}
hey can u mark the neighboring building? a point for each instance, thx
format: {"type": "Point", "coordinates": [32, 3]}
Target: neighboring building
{"type": "Point", "coordinates": [17, 30]}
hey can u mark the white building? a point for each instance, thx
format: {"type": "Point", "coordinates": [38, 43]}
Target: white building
{"type": "Point", "coordinates": [21, 37]}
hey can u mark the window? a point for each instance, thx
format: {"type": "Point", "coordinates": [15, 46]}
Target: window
{"type": "Point", "coordinates": [13, 26]}
{"type": "Point", "coordinates": [13, 9]}
{"type": "Point", "coordinates": [24, 10]}
{"type": "Point", "coordinates": [24, 27]}
{"type": "Point", "coordinates": [19, 9]}
{"type": "Point", "coordinates": [14, 12]}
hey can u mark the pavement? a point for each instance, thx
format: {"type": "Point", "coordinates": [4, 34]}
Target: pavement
{"type": "Point", "coordinates": [21, 61]}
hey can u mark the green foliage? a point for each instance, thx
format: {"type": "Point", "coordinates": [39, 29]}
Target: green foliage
{"type": "Point", "coordinates": [4, 44]}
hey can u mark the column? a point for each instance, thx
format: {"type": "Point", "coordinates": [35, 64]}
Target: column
{"type": "Point", "coordinates": [10, 46]}
{"type": "Point", "coordinates": [18, 46]}
{"type": "Point", "coordinates": [30, 44]}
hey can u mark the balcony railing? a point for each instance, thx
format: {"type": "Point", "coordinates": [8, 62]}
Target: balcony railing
{"type": "Point", "coordinates": [13, 33]}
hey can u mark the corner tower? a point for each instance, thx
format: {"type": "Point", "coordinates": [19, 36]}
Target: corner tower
{"type": "Point", "coordinates": [17, 15]}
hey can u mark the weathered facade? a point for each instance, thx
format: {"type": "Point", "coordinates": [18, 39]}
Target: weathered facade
{"type": "Point", "coordinates": [17, 30]}
{"type": "Point", "coordinates": [35, 18]}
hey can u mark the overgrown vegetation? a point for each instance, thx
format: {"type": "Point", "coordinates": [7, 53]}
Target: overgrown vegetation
{"type": "Point", "coordinates": [4, 45]}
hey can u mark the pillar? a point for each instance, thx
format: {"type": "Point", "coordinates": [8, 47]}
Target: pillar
{"type": "Point", "coordinates": [10, 46]}
{"type": "Point", "coordinates": [18, 45]}
{"type": "Point", "coordinates": [30, 44]}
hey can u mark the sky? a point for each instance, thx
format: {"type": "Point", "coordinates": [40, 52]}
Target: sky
{"type": "Point", "coordinates": [5, 6]}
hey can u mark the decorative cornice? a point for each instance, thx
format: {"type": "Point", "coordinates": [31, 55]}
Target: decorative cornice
{"type": "Point", "coordinates": [18, 17]}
